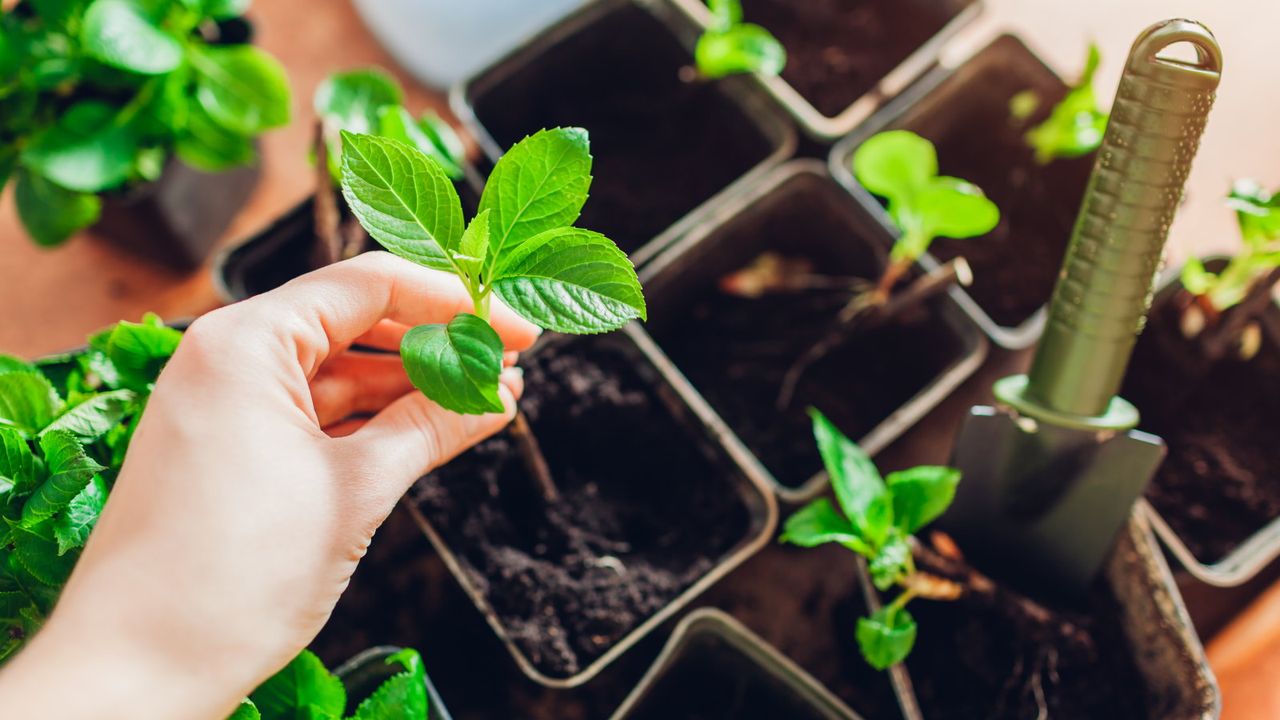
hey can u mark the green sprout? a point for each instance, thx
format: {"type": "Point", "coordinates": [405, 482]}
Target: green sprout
{"type": "Point", "coordinates": [902, 167]}
{"type": "Point", "coordinates": [732, 47]}
{"type": "Point", "coordinates": [1075, 126]}
{"type": "Point", "coordinates": [876, 519]}
{"type": "Point", "coordinates": [306, 689]}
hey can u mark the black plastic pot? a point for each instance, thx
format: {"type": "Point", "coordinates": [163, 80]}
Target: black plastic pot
{"type": "Point", "coordinates": [177, 220]}
{"type": "Point", "coordinates": [657, 503]}
{"type": "Point", "coordinates": [965, 112]}
{"type": "Point", "coordinates": [736, 351]}
{"type": "Point", "coordinates": [714, 668]}
{"type": "Point", "coordinates": [363, 674]}
{"type": "Point", "coordinates": [845, 59]}
{"type": "Point", "coordinates": [663, 146]}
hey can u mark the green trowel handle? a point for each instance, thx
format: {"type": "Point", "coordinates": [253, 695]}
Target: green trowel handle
{"type": "Point", "coordinates": [1104, 291]}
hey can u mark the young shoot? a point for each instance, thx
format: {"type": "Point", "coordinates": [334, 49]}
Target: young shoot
{"type": "Point", "coordinates": [306, 689]}
{"type": "Point", "coordinates": [1246, 282]}
{"type": "Point", "coordinates": [731, 46]}
{"type": "Point", "coordinates": [521, 246]}
{"type": "Point", "coordinates": [1074, 127]}
{"type": "Point", "coordinates": [902, 167]}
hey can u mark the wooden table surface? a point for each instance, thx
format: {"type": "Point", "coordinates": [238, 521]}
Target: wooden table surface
{"type": "Point", "coordinates": [52, 298]}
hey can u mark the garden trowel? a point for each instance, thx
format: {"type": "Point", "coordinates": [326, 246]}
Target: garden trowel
{"type": "Point", "coordinates": [1051, 472]}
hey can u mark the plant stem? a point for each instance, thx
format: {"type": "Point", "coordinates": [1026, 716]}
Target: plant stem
{"type": "Point", "coordinates": [534, 461]}
{"type": "Point", "coordinates": [893, 272]}
{"type": "Point", "coordinates": [327, 218]}
{"type": "Point", "coordinates": [1222, 336]}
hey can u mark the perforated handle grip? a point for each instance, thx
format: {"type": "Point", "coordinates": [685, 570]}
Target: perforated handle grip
{"type": "Point", "coordinates": [1104, 290]}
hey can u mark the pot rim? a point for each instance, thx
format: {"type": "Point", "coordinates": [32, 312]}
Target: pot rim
{"type": "Point", "coordinates": [752, 100]}
{"type": "Point", "coordinates": [897, 423]}
{"type": "Point", "coordinates": [750, 483]}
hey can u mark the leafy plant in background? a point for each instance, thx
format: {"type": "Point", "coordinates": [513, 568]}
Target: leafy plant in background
{"type": "Point", "coordinates": [1075, 126]}
{"type": "Point", "coordinates": [731, 46]}
{"type": "Point", "coordinates": [305, 689]}
{"type": "Point", "coordinates": [902, 167]}
{"type": "Point", "coordinates": [521, 245]}
{"type": "Point", "coordinates": [876, 519]}
{"type": "Point", "coordinates": [97, 95]}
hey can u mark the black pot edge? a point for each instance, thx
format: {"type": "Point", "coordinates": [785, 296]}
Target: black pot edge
{"type": "Point", "coordinates": [897, 423]}
{"type": "Point", "coordinates": [754, 489]}
{"type": "Point", "coordinates": [919, 95]}
{"type": "Point", "coordinates": [768, 118]}
{"type": "Point", "coordinates": [826, 128]}
{"type": "Point", "coordinates": [712, 621]}
{"type": "Point", "coordinates": [369, 661]}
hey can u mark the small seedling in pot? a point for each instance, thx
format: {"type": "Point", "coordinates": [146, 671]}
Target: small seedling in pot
{"type": "Point", "coordinates": [877, 518]}
{"type": "Point", "coordinates": [367, 101]}
{"type": "Point", "coordinates": [305, 688]}
{"type": "Point", "coordinates": [732, 47]}
{"type": "Point", "coordinates": [95, 97]}
{"type": "Point", "coordinates": [1224, 307]}
{"type": "Point", "coordinates": [521, 246]}
{"type": "Point", "coordinates": [1074, 127]}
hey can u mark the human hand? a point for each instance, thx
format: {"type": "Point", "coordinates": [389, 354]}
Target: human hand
{"type": "Point", "coordinates": [237, 520]}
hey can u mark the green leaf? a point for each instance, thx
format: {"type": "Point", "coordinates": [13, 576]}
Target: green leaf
{"type": "Point", "coordinates": [9, 363]}
{"type": "Point", "coordinates": [18, 465]}
{"type": "Point", "coordinates": [226, 9]}
{"type": "Point", "coordinates": [51, 213]}
{"type": "Point", "coordinates": [456, 365]}
{"type": "Point", "coordinates": [473, 247]}
{"type": "Point", "coordinates": [88, 150]}
{"type": "Point", "coordinates": [895, 165]}
{"type": "Point", "coordinates": [208, 146]}
{"type": "Point", "coordinates": [57, 12]}
{"type": "Point", "coordinates": [118, 33]}
{"type": "Point", "coordinates": [1076, 125]}
{"type": "Point", "coordinates": [137, 351]}
{"type": "Point", "coordinates": [36, 552]}
{"type": "Point", "coordinates": [443, 136]}
{"type": "Point", "coordinates": [819, 523]}
{"type": "Point", "coordinates": [1196, 278]}
{"type": "Point", "coordinates": [921, 494]}
{"type": "Point", "coordinates": [92, 418]}
{"type": "Point", "coordinates": [403, 696]}
{"type": "Point", "coordinates": [886, 638]}
{"type": "Point", "coordinates": [571, 281]}
{"type": "Point", "coordinates": [395, 122]}
{"type": "Point", "coordinates": [540, 184]}
{"type": "Point", "coordinates": [853, 475]}
{"type": "Point", "coordinates": [11, 603]}
{"type": "Point", "coordinates": [70, 470]}
{"type": "Point", "coordinates": [745, 48]}
{"type": "Point", "coordinates": [303, 686]}
{"type": "Point", "coordinates": [1257, 212]}
{"type": "Point", "coordinates": [725, 13]}
{"type": "Point", "coordinates": [403, 198]}
{"type": "Point", "coordinates": [246, 711]}
{"type": "Point", "coordinates": [243, 89]}
{"type": "Point", "coordinates": [891, 561]}
{"type": "Point", "coordinates": [71, 529]}
{"type": "Point", "coordinates": [950, 207]}
{"type": "Point", "coordinates": [28, 401]}
{"type": "Point", "coordinates": [350, 100]}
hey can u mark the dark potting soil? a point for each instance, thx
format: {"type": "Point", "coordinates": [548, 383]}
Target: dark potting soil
{"type": "Point", "coordinates": [973, 661]}
{"type": "Point", "coordinates": [838, 50]}
{"type": "Point", "coordinates": [662, 146]}
{"type": "Point", "coordinates": [736, 351]}
{"type": "Point", "coordinates": [645, 511]}
{"type": "Point", "coordinates": [1016, 265]}
{"type": "Point", "coordinates": [1220, 482]}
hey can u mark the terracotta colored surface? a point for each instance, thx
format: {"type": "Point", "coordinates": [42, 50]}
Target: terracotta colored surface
{"type": "Point", "coordinates": [51, 299]}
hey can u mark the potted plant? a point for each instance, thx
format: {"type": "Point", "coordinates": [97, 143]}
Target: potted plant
{"type": "Point", "coordinates": [138, 121]}
{"type": "Point", "coordinates": [1004, 120]}
{"type": "Point", "coordinates": [714, 667]}
{"type": "Point", "coordinates": [846, 57]}
{"type": "Point", "coordinates": [666, 142]}
{"type": "Point", "coordinates": [1201, 375]}
{"type": "Point", "coordinates": [985, 648]}
{"type": "Point", "coordinates": [765, 288]}
{"type": "Point", "coordinates": [321, 229]}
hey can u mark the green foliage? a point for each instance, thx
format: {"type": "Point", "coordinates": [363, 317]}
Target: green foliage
{"type": "Point", "coordinates": [902, 167]}
{"type": "Point", "coordinates": [305, 690]}
{"type": "Point", "coordinates": [732, 47]}
{"type": "Point", "coordinates": [876, 519]}
{"type": "Point", "coordinates": [521, 245]}
{"type": "Point", "coordinates": [96, 95]}
{"type": "Point", "coordinates": [368, 101]}
{"type": "Point", "coordinates": [1075, 126]}
{"type": "Point", "coordinates": [1258, 213]}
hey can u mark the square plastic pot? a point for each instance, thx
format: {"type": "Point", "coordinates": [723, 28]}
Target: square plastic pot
{"type": "Point", "coordinates": [674, 280]}
{"type": "Point", "coordinates": [363, 674]}
{"type": "Point", "coordinates": [648, 187]}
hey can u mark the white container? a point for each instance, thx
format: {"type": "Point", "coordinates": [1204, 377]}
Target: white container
{"type": "Point", "coordinates": [444, 41]}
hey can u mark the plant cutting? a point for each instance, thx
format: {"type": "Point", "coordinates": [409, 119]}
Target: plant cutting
{"type": "Point", "coordinates": [305, 688]}
{"type": "Point", "coordinates": [1075, 125]}
{"type": "Point", "coordinates": [731, 46]}
{"type": "Point", "coordinates": [100, 96]}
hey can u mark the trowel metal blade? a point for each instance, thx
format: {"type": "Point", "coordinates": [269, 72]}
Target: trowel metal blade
{"type": "Point", "coordinates": [1042, 502]}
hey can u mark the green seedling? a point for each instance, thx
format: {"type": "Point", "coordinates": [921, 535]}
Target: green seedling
{"type": "Point", "coordinates": [902, 167]}
{"type": "Point", "coordinates": [306, 689]}
{"type": "Point", "coordinates": [1245, 284]}
{"type": "Point", "coordinates": [521, 246]}
{"type": "Point", "coordinates": [96, 97]}
{"type": "Point", "coordinates": [731, 46]}
{"type": "Point", "coordinates": [1074, 127]}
